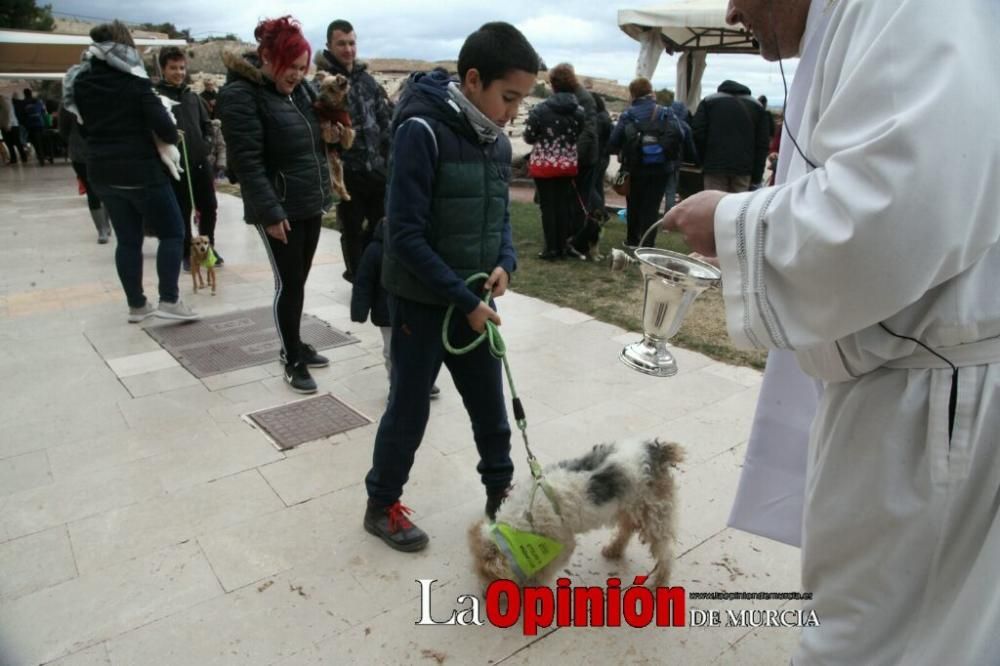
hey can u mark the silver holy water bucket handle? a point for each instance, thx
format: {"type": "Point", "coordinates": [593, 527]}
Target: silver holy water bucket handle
{"type": "Point", "coordinates": [672, 283]}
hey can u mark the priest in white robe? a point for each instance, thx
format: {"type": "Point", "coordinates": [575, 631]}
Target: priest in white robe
{"type": "Point", "coordinates": [877, 263]}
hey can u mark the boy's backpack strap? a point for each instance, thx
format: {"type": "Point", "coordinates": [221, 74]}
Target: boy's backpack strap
{"type": "Point", "coordinates": [428, 127]}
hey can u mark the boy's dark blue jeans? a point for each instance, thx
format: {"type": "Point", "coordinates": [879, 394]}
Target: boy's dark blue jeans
{"type": "Point", "coordinates": [417, 354]}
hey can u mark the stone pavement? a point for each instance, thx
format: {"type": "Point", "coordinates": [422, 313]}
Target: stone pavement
{"type": "Point", "coordinates": [142, 521]}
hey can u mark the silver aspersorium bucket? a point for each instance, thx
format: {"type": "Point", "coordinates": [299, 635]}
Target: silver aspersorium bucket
{"type": "Point", "coordinates": [672, 283]}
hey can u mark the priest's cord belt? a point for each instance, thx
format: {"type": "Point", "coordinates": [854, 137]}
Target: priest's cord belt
{"type": "Point", "coordinates": [953, 399]}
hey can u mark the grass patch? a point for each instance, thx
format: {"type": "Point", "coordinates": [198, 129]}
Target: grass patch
{"type": "Point", "coordinates": [616, 298]}
{"type": "Point", "coordinates": [590, 287]}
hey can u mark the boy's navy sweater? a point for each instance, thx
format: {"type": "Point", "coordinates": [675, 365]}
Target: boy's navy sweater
{"type": "Point", "coordinates": [415, 152]}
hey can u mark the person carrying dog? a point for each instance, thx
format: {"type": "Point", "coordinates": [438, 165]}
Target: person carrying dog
{"type": "Point", "coordinates": [448, 219]}
{"type": "Point", "coordinates": [119, 112]}
{"type": "Point", "coordinates": [193, 119]}
{"type": "Point", "coordinates": [278, 154]}
{"type": "Point", "coordinates": [365, 163]}
{"type": "Point", "coordinates": [553, 130]}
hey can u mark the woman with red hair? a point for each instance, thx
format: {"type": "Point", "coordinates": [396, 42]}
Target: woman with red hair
{"type": "Point", "coordinates": [277, 152]}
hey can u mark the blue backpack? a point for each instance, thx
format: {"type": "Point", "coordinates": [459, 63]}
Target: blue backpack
{"type": "Point", "coordinates": [655, 140]}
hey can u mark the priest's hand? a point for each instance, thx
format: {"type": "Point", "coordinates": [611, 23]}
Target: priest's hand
{"type": "Point", "coordinates": [695, 218]}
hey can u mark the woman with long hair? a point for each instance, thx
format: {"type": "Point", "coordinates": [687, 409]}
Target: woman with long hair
{"type": "Point", "coordinates": [278, 153]}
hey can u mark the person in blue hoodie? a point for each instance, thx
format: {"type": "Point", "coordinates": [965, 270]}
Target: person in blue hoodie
{"type": "Point", "coordinates": [448, 218]}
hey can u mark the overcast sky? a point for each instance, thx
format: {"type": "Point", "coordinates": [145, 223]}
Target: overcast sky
{"type": "Point", "coordinates": [582, 32]}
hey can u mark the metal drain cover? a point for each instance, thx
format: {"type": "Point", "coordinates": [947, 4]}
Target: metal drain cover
{"type": "Point", "coordinates": [237, 340]}
{"type": "Point", "coordinates": [303, 421]}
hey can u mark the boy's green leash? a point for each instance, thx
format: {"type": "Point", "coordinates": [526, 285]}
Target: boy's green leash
{"type": "Point", "coordinates": [526, 552]}
{"type": "Point", "coordinates": [498, 349]}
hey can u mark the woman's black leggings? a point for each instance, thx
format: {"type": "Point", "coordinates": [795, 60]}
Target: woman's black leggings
{"type": "Point", "coordinates": [291, 263]}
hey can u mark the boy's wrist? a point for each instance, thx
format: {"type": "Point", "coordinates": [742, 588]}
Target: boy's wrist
{"type": "Point", "coordinates": [469, 303]}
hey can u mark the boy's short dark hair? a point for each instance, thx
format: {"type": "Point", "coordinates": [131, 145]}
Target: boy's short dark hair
{"type": "Point", "coordinates": [495, 49]}
{"type": "Point", "coordinates": [341, 25]}
{"type": "Point", "coordinates": [169, 54]}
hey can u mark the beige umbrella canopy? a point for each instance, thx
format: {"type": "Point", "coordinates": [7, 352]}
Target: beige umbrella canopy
{"type": "Point", "coordinates": [692, 28]}
{"type": "Point", "coordinates": [28, 54]}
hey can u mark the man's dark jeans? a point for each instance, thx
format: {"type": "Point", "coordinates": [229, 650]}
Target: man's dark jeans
{"type": "Point", "coordinates": [367, 202]}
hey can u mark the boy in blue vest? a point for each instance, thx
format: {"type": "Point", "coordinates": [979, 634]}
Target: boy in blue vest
{"type": "Point", "coordinates": [447, 219]}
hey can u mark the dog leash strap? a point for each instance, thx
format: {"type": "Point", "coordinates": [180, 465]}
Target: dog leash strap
{"type": "Point", "coordinates": [187, 173]}
{"type": "Point", "coordinates": [498, 349]}
{"type": "Point", "coordinates": [586, 213]}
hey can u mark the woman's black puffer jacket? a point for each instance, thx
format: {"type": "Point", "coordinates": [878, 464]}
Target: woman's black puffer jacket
{"type": "Point", "coordinates": [274, 145]}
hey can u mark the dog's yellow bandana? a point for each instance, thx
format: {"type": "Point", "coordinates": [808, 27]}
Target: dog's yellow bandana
{"type": "Point", "coordinates": [527, 552]}
{"type": "Point", "coordinates": [210, 258]}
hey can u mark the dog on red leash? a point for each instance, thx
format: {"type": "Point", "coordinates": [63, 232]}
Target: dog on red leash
{"type": "Point", "coordinates": [331, 108]}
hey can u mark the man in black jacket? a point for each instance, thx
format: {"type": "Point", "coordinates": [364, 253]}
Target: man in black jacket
{"type": "Point", "coordinates": [731, 134]}
{"type": "Point", "coordinates": [192, 119]}
{"type": "Point", "coordinates": [365, 164]}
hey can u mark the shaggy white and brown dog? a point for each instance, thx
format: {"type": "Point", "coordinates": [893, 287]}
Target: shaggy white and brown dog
{"type": "Point", "coordinates": [628, 485]}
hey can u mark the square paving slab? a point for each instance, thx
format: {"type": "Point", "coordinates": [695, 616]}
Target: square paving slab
{"type": "Point", "coordinates": [307, 420]}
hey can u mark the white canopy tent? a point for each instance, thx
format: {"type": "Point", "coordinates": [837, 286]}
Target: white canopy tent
{"type": "Point", "coordinates": [28, 54]}
{"type": "Point", "coordinates": [693, 28]}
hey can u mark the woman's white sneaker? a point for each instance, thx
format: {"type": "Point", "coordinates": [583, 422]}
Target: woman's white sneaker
{"type": "Point", "coordinates": [178, 311]}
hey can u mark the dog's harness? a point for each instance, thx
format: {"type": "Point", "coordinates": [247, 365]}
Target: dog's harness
{"type": "Point", "coordinates": [527, 552]}
{"type": "Point", "coordinates": [210, 259]}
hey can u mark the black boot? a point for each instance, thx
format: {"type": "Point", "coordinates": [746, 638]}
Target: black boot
{"type": "Point", "coordinates": [390, 524]}
{"type": "Point", "coordinates": [494, 498]}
